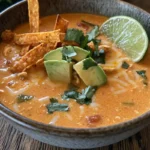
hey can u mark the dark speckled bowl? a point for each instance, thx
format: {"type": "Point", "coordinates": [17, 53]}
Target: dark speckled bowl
{"type": "Point", "coordinates": [70, 137]}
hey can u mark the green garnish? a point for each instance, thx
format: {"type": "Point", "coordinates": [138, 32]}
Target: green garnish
{"type": "Point", "coordinates": [70, 94]}
{"type": "Point", "coordinates": [128, 103]}
{"type": "Point", "coordinates": [84, 41]}
{"type": "Point", "coordinates": [85, 97]}
{"type": "Point", "coordinates": [67, 53]}
{"type": "Point", "coordinates": [88, 23]}
{"type": "Point", "coordinates": [142, 73]}
{"type": "Point", "coordinates": [23, 98]}
{"type": "Point", "coordinates": [55, 106]}
{"type": "Point", "coordinates": [96, 43]}
{"type": "Point", "coordinates": [53, 100]}
{"type": "Point", "coordinates": [125, 65]}
{"type": "Point", "coordinates": [88, 63]}
{"type": "Point", "coordinates": [93, 33]}
{"type": "Point", "coordinates": [74, 35]}
{"type": "Point", "coordinates": [99, 56]}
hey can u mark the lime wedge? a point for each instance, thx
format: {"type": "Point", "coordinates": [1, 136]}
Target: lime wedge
{"type": "Point", "coordinates": [128, 34]}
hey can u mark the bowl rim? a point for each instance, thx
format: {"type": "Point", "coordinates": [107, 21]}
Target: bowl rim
{"type": "Point", "coordinates": [52, 129]}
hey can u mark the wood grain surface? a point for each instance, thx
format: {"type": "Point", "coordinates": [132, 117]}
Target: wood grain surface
{"type": "Point", "coordinates": [11, 139]}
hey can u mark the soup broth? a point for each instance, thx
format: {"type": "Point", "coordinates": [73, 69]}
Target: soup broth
{"type": "Point", "coordinates": [122, 98]}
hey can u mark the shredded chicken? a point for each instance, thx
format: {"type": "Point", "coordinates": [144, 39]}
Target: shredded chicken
{"type": "Point", "coordinates": [108, 68]}
{"type": "Point", "coordinates": [76, 79]}
{"type": "Point", "coordinates": [22, 75]}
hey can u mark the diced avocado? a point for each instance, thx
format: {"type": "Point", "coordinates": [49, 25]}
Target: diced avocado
{"type": "Point", "coordinates": [81, 54]}
{"type": "Point", "coordinates": [93, 75]}
{"type": "Point", "coordinates": [57, 54]}
{"type": "Point", "coordinates": [54, 54]}
{"type": "Point", "coordinates": [59, 70]}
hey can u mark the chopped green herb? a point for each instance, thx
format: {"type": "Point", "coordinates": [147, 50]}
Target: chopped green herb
{"type": "Point", "coordinates": [23, 98]}
{"type": "Point", "coordinates": [85, 97]}
{"type": "Point", "coordinates": [128, 103]}
{"type": "Point", "coordinates": [88, 63]}
{"type": "Point", "coordinates": [67, 53]}
{"type": "Point", "coordinates": [88, 23]}
{"type": "Point", "coordinates": [142, 73]}
{"type": "Point", "coordinates": [99, 56]}
{"type": "Point", "coordinates": [125, 65]}
{"type": "Point", "coordinates": [53, 100]}
{"type": "Point", "coordinates": [55, 106]}
{"type": "Point", "coordinates": [70, 94]}
{"type": "Point", "coordinates": [74, 35]}
{"type": "Point", "coordinates": [93, 33]}
{"type": "Point", "coordinates": [96, 43]}
{"type": "Point", "coordinates": [84, 41]}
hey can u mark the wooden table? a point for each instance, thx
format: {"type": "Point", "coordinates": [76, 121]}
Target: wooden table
{"type": "Point", "coordinates": [11, 139]}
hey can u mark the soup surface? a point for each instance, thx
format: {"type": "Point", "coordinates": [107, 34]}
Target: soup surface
{"type": "Point", "coordinates": [122, 98]}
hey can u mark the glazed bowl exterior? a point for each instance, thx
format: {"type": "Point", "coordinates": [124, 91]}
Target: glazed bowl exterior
{"type": "Point", "coordinates": [73, 137]}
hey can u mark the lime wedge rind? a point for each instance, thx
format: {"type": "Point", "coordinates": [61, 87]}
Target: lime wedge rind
{"type": "Point", "coordinates": [128, 34]}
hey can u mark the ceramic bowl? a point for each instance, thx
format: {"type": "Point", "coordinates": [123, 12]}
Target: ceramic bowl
{"type": "Point", "coordinates": [71, 137]}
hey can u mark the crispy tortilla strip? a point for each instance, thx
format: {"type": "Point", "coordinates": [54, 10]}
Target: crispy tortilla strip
{"type": "Point", "coordinates": [33, 10]}
{"type": "Point", "coordinates": [61, 24]}
{"type": "Point", "coordinates": [24, 50]}
{"type": "Point", "coordinates": [30, 58]}
{"type": "Point", "coordinates": [51, 37]}
{"type": "Point", "coordinates": [40, 62]}
{"type": "Point", "coordinates": [7, 36]}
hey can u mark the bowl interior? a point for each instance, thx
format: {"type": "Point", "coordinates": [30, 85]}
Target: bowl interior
{"type": "Point", "coordinates": [18, 14]}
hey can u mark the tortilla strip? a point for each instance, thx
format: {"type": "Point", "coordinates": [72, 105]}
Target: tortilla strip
{"type": "Point", "coordinates": [24, 50]}
{"type": "Point", "coordinates": [30, 58]}
{"type": "Point", "coordinates": [61, 24]}
{"type": "Point", "coordinates": [40, 62]}
{"type": "Point", "coordinates": [33, 11]}
{"type": "Point", "coordinates": [51, 37]}
{"type": "Point", "coordinates": [7, 36]}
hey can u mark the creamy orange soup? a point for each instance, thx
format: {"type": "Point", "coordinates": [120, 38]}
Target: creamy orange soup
{"type": "Point", "coordinates": [122, 98]}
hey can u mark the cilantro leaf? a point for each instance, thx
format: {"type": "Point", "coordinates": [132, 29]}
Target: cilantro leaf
{"type": "Point", "coordinates": [23, 98]}
{"type": "Point", "coordinates": [88, 63]}
{"type": "Point", "coordinates": [93, 33]}
{"type": "Point", "coordinates": [85, 97]}
{"type": "Point", "coordinates": [55, 106]}
{"type": "Point", "coordinates": [84, 41]}
{"type": "Point", "coordinates": [74, 35]}
{"type": "Point", "coordinates": [142, 73]}
{"type": "Point", "coordinates": [68, 52]}
{"type": "Point", "coordinates": [96, 43]}
{"type": "Point", "coordinates": [70, 94]}
{"type": "Point", "coordinates": [99, 56]}
{"type": "Point", "coordinates": [125, 65]}
{"type": "Point", "coordinates": [53, 100]}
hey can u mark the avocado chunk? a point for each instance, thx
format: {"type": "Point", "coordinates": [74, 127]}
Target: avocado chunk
{"type": "Point", "coordinates": [59, 70]}
{"type": "Point", "coordinates": [57, 54]}
{"type": "Point", "coordinates": [90, 72]}
{"type": "Point", "coordinates": [54, 54]}
{"type": "Point", "coordinates": [81, 54]}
